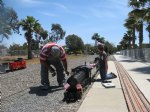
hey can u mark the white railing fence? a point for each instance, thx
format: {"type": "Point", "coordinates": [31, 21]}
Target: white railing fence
{"type": "Point", "coordinates": [141, 54]}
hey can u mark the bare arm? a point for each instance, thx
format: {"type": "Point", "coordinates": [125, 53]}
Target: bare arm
{"type": "Point", "coordinates": [65, 64]}
{"type": "Point", "coordinates": [96, 61]}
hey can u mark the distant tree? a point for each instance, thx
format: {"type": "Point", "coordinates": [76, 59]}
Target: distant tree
{"type": "Point", "coordinates": [119, 48]}
{"type": "Point", "coordinates": [146, 45]}
{"type": "Point", "coordinates": [17, 49]}
{"type": "Point", "coordinates": [74, 43]}
{"type": "Point", "coordinates": [1, 3]}
{"type": "Point", "coordinates": [34, 44]}
{"type": "Point", "coordinates": [3, 47]}
{"type": "Point", "coordinates": [15, 46]}
{"type": "Point", "coordinates": [57, 33]}
{"type": "Point", "coordinates": [128, 38]}
{"type": "Point", "coordinates": [40, 33]}
{"type": "Point", "coordinates": [8, 21]}
{"type": "Point", "coordinates": [97, 38]}
{"type": "Point", "coordinates": [44, 34]}
{"type": "Point", "coordinates": [125, 42]}
{"type": "Point", "coordinates": [89, 48]}
{"type": "Point", "coordinates": [109, 48]}
{"type": "Point", "coordinates": [25, 46]}
{"type": "Point", "coordinates": [31, 26]}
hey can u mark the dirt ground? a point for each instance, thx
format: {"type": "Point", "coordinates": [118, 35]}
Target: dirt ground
{"type": "Point", "coordinates": [21, 90]}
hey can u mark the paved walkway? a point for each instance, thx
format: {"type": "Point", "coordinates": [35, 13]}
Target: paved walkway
{"type": "Point", "coordinates": [100, 99]}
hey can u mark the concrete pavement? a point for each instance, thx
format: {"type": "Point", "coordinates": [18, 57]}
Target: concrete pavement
{"type": "Point", "coordinates": [139, 71]}
{"type": "Point", "coordinates": [100, 99]}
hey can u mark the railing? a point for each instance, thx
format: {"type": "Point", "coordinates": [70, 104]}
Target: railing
{"type": "Point", "coordinates": [141, 54]}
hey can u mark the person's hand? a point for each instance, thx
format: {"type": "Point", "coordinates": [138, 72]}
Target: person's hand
{"type": "Point", "coordinates": [53, 73]}
{"type": "Point", "coordinates": [67, 72]}
{"type": "Point", "coordinates": [92, 65]}
{"type": "Point", "coordinates": [51, 69]}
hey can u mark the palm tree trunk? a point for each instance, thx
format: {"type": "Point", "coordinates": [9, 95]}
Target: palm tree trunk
{"type": "Point", "coordinates": [29, 40]}
{"type": "Point", "coordinates": [149, 32]}
{"type": "Point", "coordinates": [141, 35]}
{"type": "Point", "coordinates": [133, 40]}
{"type": "Point", "coordinates": [149, 37]}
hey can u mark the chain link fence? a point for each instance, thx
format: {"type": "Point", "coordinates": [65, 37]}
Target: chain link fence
{"type": "Point", "coordinates": [141, 54]}
{"type": "Point", "coordinates": [5, 53]}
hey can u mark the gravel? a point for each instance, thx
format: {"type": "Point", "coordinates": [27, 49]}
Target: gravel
{"type": "Point", "coordinates": [21, 90]}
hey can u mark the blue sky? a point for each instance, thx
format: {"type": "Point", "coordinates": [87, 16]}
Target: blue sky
{"type": "Point", "coordinates": [80, 17]}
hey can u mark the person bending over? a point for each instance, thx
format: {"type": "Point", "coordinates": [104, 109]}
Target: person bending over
{"type": "Point", "coordinates": [53, 54]}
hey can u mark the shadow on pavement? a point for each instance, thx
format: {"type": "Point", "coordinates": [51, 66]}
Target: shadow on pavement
{"type": "Point", "coordinates": [40, 92]}
{"type": "Point", "coordinates": [96, 80]}
{"type": "Point", "coordinates": [128, 61]}
{"type": "Point", "coordinates": [148, 80]}
{"type": "Point", "coordinates": [144, 70]}
{"type": "Point", "coordinates": [133, 60]}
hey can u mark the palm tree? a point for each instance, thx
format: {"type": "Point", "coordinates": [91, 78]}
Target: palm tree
{"type": "Point", "coordinates": [148, 29]}
{"type": "Point", "coordinates": [44, 34]}
{"type": "Point", "coordinates": [40, 33]}
{"type": "Point", "coordinates": [131, 25]}
{"type": "Point", "coordinates": [123, 44]}
{"type": "Point", "coordinates": [127, 39]}
{"type": "Point", "coordinates": [94, 37]}
{"type": "Point", "coordinates": [129, 36]}
{"type": "Point", "coordinates": [30, 26]}
{"type": "Point", "coordinates": [138, 3]}
{"type": "Point", "coordinates": [97, 38]}
{"type": "Point", "coordinates": [147, 19]}
{"type": "Point", "coordinates": [138, 14]}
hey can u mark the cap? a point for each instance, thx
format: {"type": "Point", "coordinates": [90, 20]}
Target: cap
{"type": "Point", "coordinates": [55, 51]}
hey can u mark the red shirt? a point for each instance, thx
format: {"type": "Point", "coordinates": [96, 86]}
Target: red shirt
{"type": "Point", "coordinates": [45, 52]}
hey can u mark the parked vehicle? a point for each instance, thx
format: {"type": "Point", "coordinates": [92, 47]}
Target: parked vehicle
{"type": "Point", "coordinates": [19, 63]}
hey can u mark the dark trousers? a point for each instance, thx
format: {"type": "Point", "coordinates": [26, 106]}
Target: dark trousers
{"type": "Point", "coordinates": [59, 70]}
{"type": "Point", "coordinates": [103, 74]}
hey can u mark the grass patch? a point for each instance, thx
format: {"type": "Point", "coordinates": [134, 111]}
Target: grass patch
{"type": "Point", "coordinates": [32, 61]}
{"type": "Point", "coordinates": [35, 60]}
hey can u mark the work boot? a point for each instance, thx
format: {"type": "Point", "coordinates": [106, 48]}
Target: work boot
{"type": "Point", "coordinates": [61, 84]}
{"type": "Point", "coordinates": [45, 87]}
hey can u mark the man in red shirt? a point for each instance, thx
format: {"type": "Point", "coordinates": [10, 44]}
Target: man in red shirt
{"type": "Point", "coordinates": [53, 54]}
